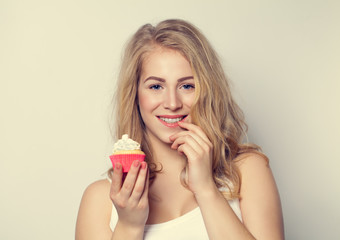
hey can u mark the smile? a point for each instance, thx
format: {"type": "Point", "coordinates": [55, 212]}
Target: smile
{"type": "Point", "coordinates": [171, 121]}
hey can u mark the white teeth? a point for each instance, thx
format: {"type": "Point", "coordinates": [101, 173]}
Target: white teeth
{"type": "Point", "coordinates": [171, 120]}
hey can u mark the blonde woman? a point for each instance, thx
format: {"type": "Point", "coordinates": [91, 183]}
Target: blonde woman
{"type": "Point", "coordinates": [199, 181]}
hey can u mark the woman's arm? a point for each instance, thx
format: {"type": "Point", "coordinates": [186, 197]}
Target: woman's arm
{"type": "Point", "coordinates": [260, 203]}
{"type": "Point", "coordinates": [260, 200]}
{"type": "Point", "coordinates": [95, 213]}
{"type": "Point", "coordinates": [260, 206]}
{"type": "Point", "coordinates": [129, 198]}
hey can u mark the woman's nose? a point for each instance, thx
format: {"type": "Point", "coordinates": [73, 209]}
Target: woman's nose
{"type": "Point", "coordinates": [172, 101]}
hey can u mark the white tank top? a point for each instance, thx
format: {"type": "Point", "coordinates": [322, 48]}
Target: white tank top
{"type": "Point", "coordinates": [187, 226]}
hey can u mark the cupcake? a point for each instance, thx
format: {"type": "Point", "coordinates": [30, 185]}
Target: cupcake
{"type": "Point", "coordinates": [125, 151]}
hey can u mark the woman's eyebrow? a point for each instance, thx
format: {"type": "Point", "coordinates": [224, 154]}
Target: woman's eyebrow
{"type": "Point", "coordinates": [155, 78]}
{"type": "Point", "coordinates": [185, 78]}
{"type": "Point", "coordinates": [163, 80]}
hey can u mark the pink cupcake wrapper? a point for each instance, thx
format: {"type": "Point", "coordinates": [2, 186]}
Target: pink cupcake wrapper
{"type": "Point", "coordinates": [126, 160]}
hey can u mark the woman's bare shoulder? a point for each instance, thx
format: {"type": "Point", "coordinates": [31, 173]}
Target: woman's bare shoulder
{"type": "Point", "coordinates": [253, 158]}
{"type": "Point", "coordinates": [97, 195]}
{"type": "Point", "coordinates": [259, 197]}
{"type": "Point", "coordinates": [255, 173]}
{"type": "Point", "coordinates": [97, 187]}
{"type": "Point", "coordinates": [95, 211]}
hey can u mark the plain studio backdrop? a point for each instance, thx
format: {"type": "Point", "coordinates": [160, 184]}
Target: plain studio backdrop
{"type": "Point", "coordinates": [58, 66]}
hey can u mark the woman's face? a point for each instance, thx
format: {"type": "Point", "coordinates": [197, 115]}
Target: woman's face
{"type": "Point", "coordinates": [166, 92]}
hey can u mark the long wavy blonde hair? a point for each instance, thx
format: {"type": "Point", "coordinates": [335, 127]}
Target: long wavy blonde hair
{"type": "Point", "coordinates": [214, 109]}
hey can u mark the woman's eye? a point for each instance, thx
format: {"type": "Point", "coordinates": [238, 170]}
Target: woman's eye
{"type": "Point", "coordinates": [156, 87]}
{"type": "Point", "coordinates": [188, 86]}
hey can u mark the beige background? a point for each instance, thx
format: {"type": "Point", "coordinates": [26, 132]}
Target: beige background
{"type": "Point", "coordinates": [58, 63]}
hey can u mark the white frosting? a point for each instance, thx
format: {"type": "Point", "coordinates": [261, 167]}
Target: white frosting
{"type": "Point", "coordinates": [125, 143]}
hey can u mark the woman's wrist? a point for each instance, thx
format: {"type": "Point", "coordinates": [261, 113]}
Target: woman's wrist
{"type": "Point", "coordinates": [208, 194]}
{"type": "Point", "coordinates": [128, 231]}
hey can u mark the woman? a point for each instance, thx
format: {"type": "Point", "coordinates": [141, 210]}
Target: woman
{"type": "Point", "coordinates": [199, 180]}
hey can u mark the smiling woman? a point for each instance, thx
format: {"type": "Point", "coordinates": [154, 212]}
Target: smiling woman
{"type": "Point", "coordinates": [173, 98]}
{"type": "Point", "coordinates": [166, 92]}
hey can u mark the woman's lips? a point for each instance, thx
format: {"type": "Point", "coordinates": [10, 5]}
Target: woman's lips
{"type": "Point", "coordinates": [171, 120]}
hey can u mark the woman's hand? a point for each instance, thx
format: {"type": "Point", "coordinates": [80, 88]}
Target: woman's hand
{"type": "Point", "coordinates": [130, 196]}
{"type": "Point", "coordinates": [196, 146]}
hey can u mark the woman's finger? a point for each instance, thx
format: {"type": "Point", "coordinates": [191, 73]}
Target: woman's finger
{"type": "Point", "coordinates": [130, 180]}
{"type": "Point", "coordinates": [187, 139]}
{"type": "Point", "coordinates": [117, 176]}
{"type": "Point", "coordinates": [195, 132]}
{"type": "Point", "coordinates": [195, 141]}
{"type": "Point", "coordinates": [190, 152]}
{"type": "Point", "coordinates": [195, 129]}
{"type": "Point", "coordinates": [139, 187]}
{"type": "Point", "coordinates": [144, 200]}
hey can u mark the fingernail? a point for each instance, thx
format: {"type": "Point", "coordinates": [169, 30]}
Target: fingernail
{"type": "Point", "coordinates": [136, 163]}
{"type": "Point", "coordinates": [143, 165]}
{"type": "Point", "coordinates": [117, 166]}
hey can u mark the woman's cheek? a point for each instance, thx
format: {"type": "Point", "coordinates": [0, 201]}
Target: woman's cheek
{"type": "Point", "coordinates": [147, 101]}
